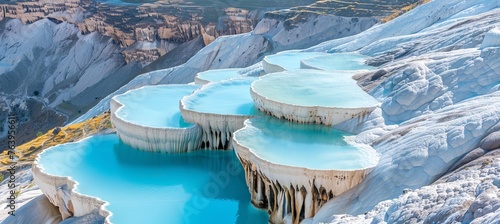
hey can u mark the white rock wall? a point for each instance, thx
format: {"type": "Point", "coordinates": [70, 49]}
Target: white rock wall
{"type": "Point", "coordinates": [296, 192]}
{"type": "Point", "coordinates": [270, 67]}
{"type": "Point", "coordinates": [217, 129]}
{"type": "Point", "coordinates": [492, 38]}
{"type": "Point", "coordinates": [304, 114]}
{"type": "Point", "coordinates": [200, 81]}
{"type": "Point", "coordinates": [437, 80]}
{"type": "Point", "coordinates": [60, 192]}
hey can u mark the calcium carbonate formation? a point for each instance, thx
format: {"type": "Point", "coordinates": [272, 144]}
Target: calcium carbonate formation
{"type": "Point", "coordinates": [220, 109]}
{"type": "Point", "coordinates": [335, 62]}
{"type": "Point", "coordinates": [312, 96]}
{"type": "Point", "coordinates": [149, 119]}
{"type": "Point", "coordinates": [491, 39]}
{"type": "Point", "coordinates": [60, 191]}
{"type": "Point", "coordinates": [292, 169]}
{"type": "Point", "coordinates": [286, 61]}
{"type": "Point", "coordinates": [295, 168]}
{"type": "Point", "coordinates": [216, 75]}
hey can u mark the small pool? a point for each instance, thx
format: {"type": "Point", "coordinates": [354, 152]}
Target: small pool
{"type": "Point", "coordinates": [231, 97]}
{"type": "Point", "coordinates": [307, 87]}
{"type": "Point", "coordinates": [155, 106]}
{"type": "Point", "coordinates": [337, 61]}
{"type": "Point", "coordinates": [290, 60]}
{"type": "Point", "coordinates": [217, 75]}
{"type": "Point", "coordinates": [310, 146]}
{"type": "Point", "coordinates": [143, 187]}
{"type": "Point", "coordinates": [126, 2]}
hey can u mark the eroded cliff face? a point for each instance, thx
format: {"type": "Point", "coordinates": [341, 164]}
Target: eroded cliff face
{"type": "Point", "coordinates": [29, 12]}
{"type": "Point", "coordinates": [161, 26]}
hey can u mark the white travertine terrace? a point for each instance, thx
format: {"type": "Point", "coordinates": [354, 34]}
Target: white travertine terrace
{"type": "Point", "coordinates": [216, 75]}
{"type": "Point", "coordinates": [297, 184]}
{"type": "Point", "coordinates": [220, 109]}
{"type": "Point", "coordinates": [336, 62]}
{"type": "Point", "coordinates": [286, 61]}
{"type": "Point", "coordinates": [149, 119]}
{"type": "Point", "coordinates": [61, 192]}
{"type": "Point", "coordinates": [491, 39]}
{"type": "Point", "coordinates": [312, 96]}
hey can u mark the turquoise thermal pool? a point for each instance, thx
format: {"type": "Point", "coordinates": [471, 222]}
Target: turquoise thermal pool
{"type": "Point", "coordinates": [143, 187]}
{"type": "Point", "coordinates": [231, 97]}
{"type": "Point", "coordinates": [160, 104]}
{"type": "Point", "coordinates": [337, 61]}
{"type": "Point", "coordinates": [290, 60]}
{"type": "Point", "coordinates": [310, 146]}
{"type": "Point", "coordinates": [311, 88]}
{"type": "Point", "coordinates": [217, 75]}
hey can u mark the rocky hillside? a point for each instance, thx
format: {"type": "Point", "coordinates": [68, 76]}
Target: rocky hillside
{"type": "Point", "coordinates": [50, 73]}
{"type": "Point", "coordinates": [148, 31]}
{"type": "Point", "coordinates": [439, 103]}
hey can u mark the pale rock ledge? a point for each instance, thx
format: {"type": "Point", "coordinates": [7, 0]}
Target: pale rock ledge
{"type": "Point", "coordinates": [219, 109]}
{"type": "Point", "coordinates": [61, 192]}
{"type": "Point", "coordinates": [312, 96]}
{"type": "Point", "coordinates": [166, 132]}
{"type": "Point", "coordinates": [491, 39]}
{"type": "Point", "coordinates": [287, 60]}
{"type": "Point", "coordinates": [290, 190]}
{"type": "Point", "coordinates": [216, 75]}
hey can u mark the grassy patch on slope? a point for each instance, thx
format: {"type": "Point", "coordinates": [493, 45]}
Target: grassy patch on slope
{"type": "Point", "coordinates": [27, 152]}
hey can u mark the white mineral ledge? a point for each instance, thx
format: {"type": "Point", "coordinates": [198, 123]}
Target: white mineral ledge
{"type": "Point", "coordinates": [491, 39]}
{"type": "Point", "coordinates": [287, 60]}
{"type": "Point", "coordinates": [61, 193]}
{"type": "Point", "coordinates": [295, 168]}
{"type": "Point", "coordinates": [149, 119]}
{"type": "Point", "coordinates": [346, 62]}
{"type": "Point", "coordinates": [312, 96]}
{"type": "Point", "coordinates": [220, 109]}
{"type": "Point", "coordinates": [216, 75]}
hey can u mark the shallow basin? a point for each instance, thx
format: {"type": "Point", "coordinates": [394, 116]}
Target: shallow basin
{"type": "Point", "coordinates": [216, 75]}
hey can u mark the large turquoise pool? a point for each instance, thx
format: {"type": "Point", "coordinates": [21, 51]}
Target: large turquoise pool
{"type": "Point", "coordinates": [143, 187]}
